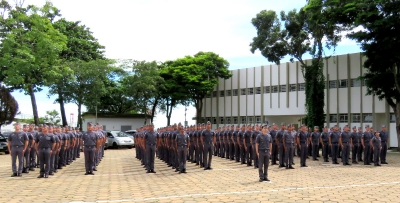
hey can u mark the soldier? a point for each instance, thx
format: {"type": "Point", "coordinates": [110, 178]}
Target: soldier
{"type": "Point", "coordinates": [59, 135]}
{"type": "Point", "coordinates": [344, 141]}
{"type": "Point", "coordinates": [247, 144]}
{"type": "Point", "coordinates": [242, 144]}
{"type": "Point", "coordinates": [254, 135]}
{"type": "Point", "coordinates": [281, 145]}
{"type": "Point", "coordinates": [32, 155]}
{"type": "Point", "coordinates": [302, 143]}
{"type": "Point", "coordinates": [372, 135]}
{"type": "Point", "coordinates": [182, 141]}
{"type": "Point", "coordinates": [274, 152]}
{"type": "Point", "coordinates": [325, 144]}
{"type": "Point", "coordinates": [315, 140]}
{"type": "Point", "coordinates": [45, 144]}
{"type": "Point", "coordinates": [355, 140]}
{"type": "Point", "coordinates": [28, 149]}
{"type": "Point", "coordinates": [385, 140]}
{"type": "Point", "coordinates": [207, 139]}
{"type": "Point", "coordinates": [236, 143]}
{"type": "Point", "coordinates": [365, 141]}
{"type": "Point", "coordinates": [376, 146]}
{"type": "Point", "coordinates": [17, 145]}
{"type": "Point", "coordinates": [334, 144]}
{"type": "Point", "coordinates": [78, 140]}
{"type": "Point", "coordinates": [288, 141]}
{"type": "Point", "coordinates": [361, 150]}
{"type": "Point", "coordinates": [150, 148]}
{"type": "Point", "coordinates": [63, 149]}
{"type": "Point", "coordinates": [217, 143]}
{"type": "Point", "coordinates": [226, 141]}
{"type": "Point", "coordinates": [90, 142]}
{"type": "Point", "coordinates": [231, 143]}
{"type": "Point", "coordinates": [191, 147]}
{"type": "Point", "coordinates": [263, 148]}
{"type": "Point", "coordinates": [54, 150]}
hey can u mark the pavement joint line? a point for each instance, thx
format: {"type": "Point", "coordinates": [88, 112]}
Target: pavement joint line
{"type": "Point", "coordinates": [243, 192]}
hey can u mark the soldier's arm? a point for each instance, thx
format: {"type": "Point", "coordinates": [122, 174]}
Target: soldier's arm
{"type": "Point", "coordinates": [25, 145]}
{"type": "Point", "coordinates": [340, 140]}
{"type": "Point", "coordinates": [298, 141]}
{"type": "Point", "coordinates": [330, 140]}
{"type": "Point", "coordinates": [320, 140]}
{"type": "Point", "coordinates": [362, 141]}
{"type": "Point", "coordinates": [9, 146]}
{"type": "Point", "coordinates": [258, 155]}
{"type": "Point", "coordinates": [371, 144]}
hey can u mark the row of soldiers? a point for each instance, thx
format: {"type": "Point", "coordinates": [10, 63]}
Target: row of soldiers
{"type": "Point", "coordinates": [53, 146]}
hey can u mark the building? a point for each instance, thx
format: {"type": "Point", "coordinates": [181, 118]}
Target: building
{"type": "Point", "coordinates": [120, 122]}
{"type": "Point", "coordinates": [275, 93]}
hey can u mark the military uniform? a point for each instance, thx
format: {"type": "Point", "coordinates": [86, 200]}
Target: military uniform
{"type": "Point", "coordinates": [281, 149]}
{"type": "Point", "coordinates": [274, 152]}
{"type": "Point", "coordinates": [288, 141]}
{"type": "Point", "coordinates": [315, 140]}
{"type": "Point", "coordinates": [207, 139]}
{"type": "Point", "coordinates": [263, 147]}
{"type": "Point", "coordinates": [150, 140]}
{"type": "Point", "coordinates": [45, 145]}
{"type": "Point", "coordinates": [325, 146]}
{"type": "Point", "coordinates": [376, 144]}
{"type": "Point", "coordinates": [90, 142]}
{"type": "Point", "coordinates": [182, 141]}
{"type": "Point", "coordinates": [303, 143]}
{"type": "Point", "coordinates": [345, 137]}
{"type": "Point", "coordinates": [334, 142]}
{"type": "Point", "coordinates": [17, 144]}
{"type": "Point", "coordinates": [356, 146]}
{"type": "Point", "coordinates": [248, 146]}
{"type": "Point", "coordinates": [366, 138]}
{"type": "Point", "coordinates": [384, 142]}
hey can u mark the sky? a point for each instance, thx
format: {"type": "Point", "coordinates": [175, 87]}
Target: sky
{"type": "Point", "coordinates": [166, 30]}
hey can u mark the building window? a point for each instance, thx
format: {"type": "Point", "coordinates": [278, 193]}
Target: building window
{"type": "Point", "coordinates": [342, 83]}
{"type": "Point", "coordinates": [228, 93]}
{"type": "Point", "coordinates": [243, 120]}
{"type": "Point", "coordinates": [250, 119]}
{"type": "Point", "coordinates": [214, 120]}
{"type": "Point", "coordinates": [242, 91]}
{"type": "Point", "coordinates": [222, 93]}
{"type": "Point", "coordinates": [367, 118]}
{"type": "Point", "coordinates": [221, 120]}
{"type": "Point", "coordinates": [392, 118]}
{"type": "Point", "coordinates": [283, 88]}
{"type": "Point", "coordinates": [355, 83]}
{"type": "Point", "coordinates": [293, 87]}
{"type": "Point", "coordinates": [208, 96]}
{"type": "Point", "coordinates": [274, 89]}
{"type": "Point", "coordinates": [333, 84]}
{"type": "Point", "coordinates": [363, 82]}
{"type": "Point", "coordinates": [302, 87]}
{"type": "Point", "coordinates": [208, 119]}
{"type": "Point", "coordinates": [258, 119]}
{"type": "Point", "coordinates": [355, 118]}
{"type": "Point", "coordinates": [235, 92]}
{"type": "Point", "coordinates": [214, 94]}
{"type": "Point", "coordinates": [203, 120]}
{"type": "Point", "coordinates": [267, 89]}
{"type": "Point", "coordinates": [258, 90]}
{"type": "Point", "coordinates": [228, 120]}
{"type": "Point", "coordinates": [250, 91]}
{"type": "Point", "coordinates": [343, 118]}
{"type": "Point", "coordinates": [333, 118]}
{"type": "Point", "coordinates": [235, 120]}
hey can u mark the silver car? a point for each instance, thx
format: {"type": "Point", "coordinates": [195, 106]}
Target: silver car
{"type": "Point", "coordinates": [117, 139]}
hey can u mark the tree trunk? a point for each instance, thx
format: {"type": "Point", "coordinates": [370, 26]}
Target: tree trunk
{"type": "Point", "coordinates": [167, 113]}
{"type": "Point", "coordinates": [34, 106]}
{"type": "Point", "coordinates": [199, 108]}
{"type": "Point", "coordinates": [153, 110]}
{"type": "Point", "coordinates": [62, 109]}
{"type": "Point", "coordinates": [79, 116]}
{"type": "Point", "coordinates": [397, 114]}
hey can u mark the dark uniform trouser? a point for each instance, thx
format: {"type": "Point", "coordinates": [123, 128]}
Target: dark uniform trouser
{"type": "Point", "coordinates": [289, 154]}
{"type": "Point", "coordinates": [191, 152]}
{"type": "Point", "coordinates": [263, 162]}
{"type": "Point", "coordinates": [249, 153]}
{"type": "Point", "coordinates": [383, 151]}
{"type": "Point", "coordinates": [16, 151]}
{"type": "Point", "coordinates": [232, 151]}
{"type": "Point", "coordinates": [274, 153]}
{"type": "Point", "coordinates": [281, 152]}
{"type": "Point", "coordinates": [182, 150]}
{"type": "Point", "coordinates": [226, 149]}
{"type": "Point", "coordinates": [237, 152]}
{"type": "Point", "coordinates": [222, 149]}
{"type": "Point", "coordinates": [309, 148]}
{"type": "Point", "coordinates": [56, 160]}
{"type": "Point", "coordinates": [371, 155]}
{"type": "Point", "coordinates": [367, 152]}
{"type": "Point", "coordinates": [150, 154]}
{"type": "Point", "coordinates": [89, 153]}
{"type": "Point", "coordinates": [95, 158]}
{"type": "Point", "coordinates": [201, 154]}
{"type": "Point", "coordinates": [355, 153]}
{"type": "Point", "coordinates": [303, 154]}
{"type": "Point", "coordinates": [315, 150]}
{"type": "Point", "coordinates": [242, 154]}
{"type": "Point", "coordinates": [255, 157]}
{"type": "Point", "coordinates": [207, 154]}
{"type": "Point", "coordinates": [216, 149]}
{"type": "Point", "coordinates": [26, 158]}
{"type": "Point", "coordinates": [325, 151]}
{"type": "Point", "coordinates": [377, 153]}
{"type": "Point", "coordinates": [345, 153]}
{"type": "Point", "coordinates": [61, 162]}
{"type": "Point", "coordinates": [44, 156]}
{"type": "Point", "coordinates": [335, 152]}
{"type": "Point", "coordinates": [32, 158]}
{"type": "Point", "coordinates": [52, 159]}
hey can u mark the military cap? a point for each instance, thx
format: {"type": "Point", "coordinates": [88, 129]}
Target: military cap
{"type": "Point", "coordinates": [40, 125]}
{"type": "Point", "coordinates": [248, 125]}
{"type": "Point", "coordinates": [354, 127]}
{"type": "Point", "coordinates": [89, 124]}
{"type": "Point", "coordinates": [360, 128]}
{"type": "Point", "coordinates": [77, 128]}
{"type": "Point", "coordinates": [32, 124]}
{"type": "Point", "coordinates": [317, 127]}
{"type": "Point", "coordinates": [25, 126]}
{"type": "Point", "coordinates": [383, 126]}
{"type": "Point", "coordinates": [366, 126]}
{"type": "Point", "coordinates": [264, 125]}
{"type": "Point", "coordinates": [56, 127]}
{"type": "Point", "coordinates": [243, 125]}
{"type": "Point", "coordinates": [45, 126]}
{"type": "Point", "coordinates": [325, 126]}
{"type": "Point", "coordinates": [273, 123]}
{"type": "Point", "coordinates": [283, 124]}
{"type": "Point", "coordinates": [50, 127]}
{"type": "Point", "coordinates": [290, 125]}
{"type": "Point", "coordinates": [16, 123]}
{"type": "Point", "coordinates": [208, 122]}
{"type": "Point", "coordinates": [377, 132]}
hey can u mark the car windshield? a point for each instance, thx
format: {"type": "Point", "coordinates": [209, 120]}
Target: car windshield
{"type": "Point", "coordinates": [2, 139]}
{"type": "Point", "coordinates": [119, 134]}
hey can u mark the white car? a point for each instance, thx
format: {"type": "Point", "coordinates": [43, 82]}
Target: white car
{"type": "Point", "coordinates": [118, 139]}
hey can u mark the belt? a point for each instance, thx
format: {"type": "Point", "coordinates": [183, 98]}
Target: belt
{"type": "Point", "coordinates": [303, 142]}
{"type": "Point", "coordinates": [345, 142]}
{"type": "Point", "coordinates": [207, 142]}
{"type": "Point", "coordinates": [325, 141]}
{"type": "Point", "coordinates": [89, 146]}
{"type": "Point", "coordinates": [263, 150]}
{"type": "Point", "coordinates": [182, 146]}
{"type": "Point", "coordinates": [151, 144]}
{"type": "Point", "coordinates": [383, 141]}
{"type": "Point", "coordinates": [289, 143]}
{"type": "Point", "coordinates": [18, 146]}
{"type": "Point", "coordinates": [334, 142]}
{"type": "Point", "coordinates": [44, 148]}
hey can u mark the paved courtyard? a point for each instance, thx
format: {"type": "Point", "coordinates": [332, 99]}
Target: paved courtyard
{"type": "Point", "coordinates": [120, 178]}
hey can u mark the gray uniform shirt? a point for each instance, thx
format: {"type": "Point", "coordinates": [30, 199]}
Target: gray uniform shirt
{"type": "Point", "coordinates": [376, 142]}
{"type": "Point", "coordinates": [150, 138]}
{"type": "Point", "coordinates": [207, 136]}
{"type": "Point", "coordinates": [384, 136]}
{"type": "Point", "coordinates": [17, 138]}
{"type": "Point", "coordinates": [288, 137]}
{"type": "Point", "coordinates": [315, 137]}
{"type": "Point", "coordinates": [45, 141]}
{"type": "Point", "coordinates": [182, 139]}
{"type": "Point", "coordinates": [345, 137]}
{"type": "Point", "coordinates": [89, 139]}
{"type": "Point", "coordinates": [263, 141]}
{"type": "Point", "coordinates": [334, 137]}
{"type": "Point", "coordinates": [355, 137]}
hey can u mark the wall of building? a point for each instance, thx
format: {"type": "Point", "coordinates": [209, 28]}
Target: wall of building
{"type": "Point", "coordinates": [115, 123]}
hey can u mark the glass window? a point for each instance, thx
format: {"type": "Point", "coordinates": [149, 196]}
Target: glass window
{"type": "Point", "coordinates": [355, 83]}
{"type": "Point", "coordinates": [343, 118]}
{"type": "Point", "coordinates": [250, 91]}
{"type": "Point", "coordinates": [235, 120]}
{"type": "Point", "coordinates": [258, 90]}
{"type": "Point", "coordinates": [392, 118]}
{"type": "Point", "coordinates": [355, 118]}
{"type": "Point", "coordinates": [208, 119]}
{"type": "Point", "coordinates": [228, 120]}
{"type": "Point", "coordinates": [221, 120]}
{"type": "Point", "coordinates": [267, 89]}
{"type": "Point", "coordinates": [293, 87]}
{"type": "Point", "coordinates": [333, 84]}
{"type": "Point", "coordinates": [274, 89]}
{"type": "Point", "coordinates": [333, 118]}
{"type": "Point", "coordinates": [258, 119]}
{"type": "Point", "coordinates": [243, 120]}
{"type": "Point", "coordinates": [235, 92]}
{"type": "Point", "coordinates": [214, 120]}
{"type": "Point", "coordinates": [283, 88]}
{"type": "Point", "coordinates": [208, 96]}
{"type": "Point", "coordinates": [250, 119]}
{"type": "Point", "coordinates": [342, 83]}
{"type": "Point", "coordinates": [222, 93]}
{"type": "Point", "coordinates": [228, 93]}
{"type": "Point", "coordinates": [367, 118]}
{"type": "Point", "coordinates": [242, 91]}
{"type": "Point", "coordinates": [363, 82]}
{"type": "Point", "coordinates": [302, 87]}
{"type": "Point", "coordinates": [214, 94]}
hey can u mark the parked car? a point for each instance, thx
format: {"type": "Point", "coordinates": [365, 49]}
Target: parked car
{"type": "Point", "coordinates": [130, 133]}
{"type": "Point", "coordinates": [3, 144]}
{"type": "Point", "coordinates": [6, 134]}
{"type": "Point", "coordinates": [118, 139]}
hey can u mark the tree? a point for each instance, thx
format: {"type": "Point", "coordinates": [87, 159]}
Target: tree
{"type": "Point", "coordinates": [307, 31]}
{"type": "Point", "coordinates": [29, 50]}
{"type": "Point", "coordinates": [52, 117]}
{"type": "Point", "coordinates": [81, 45]}
{"type": "Point", "coordinates": [198, 75]}
{"type": "Point", "coordinates": [378, 31]}
{"type": "Point", "coordinates": [8, 106]}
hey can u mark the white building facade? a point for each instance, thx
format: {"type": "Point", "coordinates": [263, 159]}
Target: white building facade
{"type": "Point", "coordinates": [118, 122]}
{"type": "Point", "coordinates": [275, 93]}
